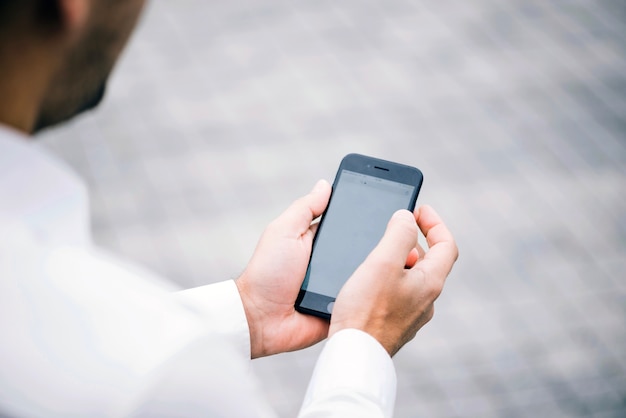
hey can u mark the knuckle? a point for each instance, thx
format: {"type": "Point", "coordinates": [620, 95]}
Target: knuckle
{"type": "Point", "coordinates": [455, 251]}
{"type": "Point", "coordinates": [430, 286]}
{"type": "Point", "coordinates": [382, 264]}
{"type": "Point", "coordinates": [433, 289]}
{"type": "Point", "coordinates": [406, 224]}
{"type": "Point", "coordinates": [273, 225]}
{"type": "Point", "coordinates": [430, 313]}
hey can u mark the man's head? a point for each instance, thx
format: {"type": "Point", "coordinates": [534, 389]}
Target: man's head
{"type": "Point", "coordinates": [56, 56]}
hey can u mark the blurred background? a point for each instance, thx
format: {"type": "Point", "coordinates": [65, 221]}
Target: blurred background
{"type": "Point", "coordinates": [223, 112]}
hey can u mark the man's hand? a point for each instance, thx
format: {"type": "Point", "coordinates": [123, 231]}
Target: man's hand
{"type": "Point", "coordinates": [270, 284]}
{"type": "Point", "coordinates": [391, 295]}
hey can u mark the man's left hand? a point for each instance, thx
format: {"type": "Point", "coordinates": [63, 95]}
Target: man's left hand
{"type": "Point", "coordinates": [271, 282]}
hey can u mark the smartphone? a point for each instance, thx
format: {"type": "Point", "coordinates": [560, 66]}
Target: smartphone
{"type": "Point", "coordinates": [366, 192]}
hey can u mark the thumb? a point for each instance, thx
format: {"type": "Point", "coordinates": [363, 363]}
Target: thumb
{"type": "Point", "coordinates": [300, 214]}
{"type": "Point", "coordinates": [399, 240]}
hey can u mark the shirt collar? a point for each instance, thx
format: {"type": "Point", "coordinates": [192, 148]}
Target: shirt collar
{"type": "Point", "coordinates": [40, 191]}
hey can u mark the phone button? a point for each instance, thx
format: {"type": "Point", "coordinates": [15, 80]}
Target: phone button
{"type": "Point", "coordinates": [330, 307]}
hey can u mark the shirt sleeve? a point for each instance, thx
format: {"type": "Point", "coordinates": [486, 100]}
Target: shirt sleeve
{"type": "Point", "coordinates": [354, 376]}
{"type": "Point", "coordinates": [205, 379]}
{"type": "Point", "coordinates": [219, 306]}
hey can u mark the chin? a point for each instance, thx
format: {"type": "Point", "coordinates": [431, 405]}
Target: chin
{"type": "Point", "coordinates": [62, 111]}
{"type": "Point", "coordinates": [93, 101]}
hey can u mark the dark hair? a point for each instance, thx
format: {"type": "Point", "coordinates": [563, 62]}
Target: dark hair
{"type": "Point", "coordinates": [7, 10]}
{"type": "Point", "coordinates": [46, 12]}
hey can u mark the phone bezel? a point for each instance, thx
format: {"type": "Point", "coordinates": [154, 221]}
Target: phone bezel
{"type": "Point", "coordinates": [316, 304]}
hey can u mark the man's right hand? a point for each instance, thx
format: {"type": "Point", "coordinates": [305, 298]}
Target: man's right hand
{"type": "Point", "coordinates": [391, 295]}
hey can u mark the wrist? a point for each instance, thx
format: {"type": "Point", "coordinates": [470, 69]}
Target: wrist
{"type": "Point", "coordinates": [378, 332]}
{"type": "Point", "coordinates": [249, 309]}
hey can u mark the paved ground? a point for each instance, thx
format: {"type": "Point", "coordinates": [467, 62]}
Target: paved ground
{"type": "Point", "coordinates": [221, 113]}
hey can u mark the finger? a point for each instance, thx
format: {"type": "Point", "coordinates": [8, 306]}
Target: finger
{"type": "Point", "coordinates": [442, 251]}
{"type": "Point", "coordinates": [415, 255]}
{"type": "Point", "coordinates": [398, 241]}
{"type": "Point", "coordinates": [300, 214]}
{"type": "Point", "coordinates": [431, 225]}
{"type": "Point", "coordinates": [420, 251]}
{"type": "Point", "coordinates": [313, 228]}
{"type": "Point", "coordinates": [412, 258]}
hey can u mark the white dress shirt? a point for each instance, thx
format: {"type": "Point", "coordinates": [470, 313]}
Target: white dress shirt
{"type": "Point", "coordinates": [86, 334]}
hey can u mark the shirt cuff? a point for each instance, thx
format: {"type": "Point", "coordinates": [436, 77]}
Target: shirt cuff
{"type": "Point", "coordinates": [353, 373]}
{"type": "Point", "coordinates": [220, 307]}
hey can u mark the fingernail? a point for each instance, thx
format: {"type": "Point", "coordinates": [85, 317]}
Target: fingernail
{"type": "Point", "coordinates": [400, 213]}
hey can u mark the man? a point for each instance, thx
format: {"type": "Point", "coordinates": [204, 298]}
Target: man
{"type": "Point", "coordinates": [84, 334]}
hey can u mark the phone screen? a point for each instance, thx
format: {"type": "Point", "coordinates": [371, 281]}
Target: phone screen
{"type": "Point", "coordinates": [354, 223]}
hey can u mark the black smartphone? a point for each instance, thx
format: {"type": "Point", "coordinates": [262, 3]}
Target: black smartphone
{"type": "Point", "coordinates": [366, 192]}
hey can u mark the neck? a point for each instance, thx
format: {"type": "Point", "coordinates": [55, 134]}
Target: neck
{"type": "Point", "coordinates": [24, 78]}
